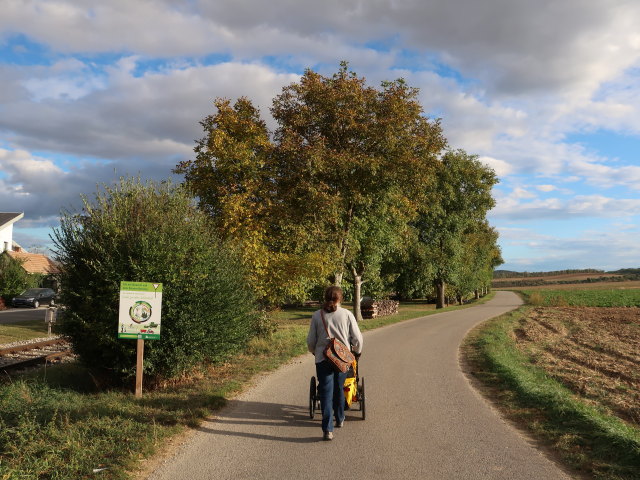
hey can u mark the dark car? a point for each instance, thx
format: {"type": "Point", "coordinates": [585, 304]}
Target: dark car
{"type": "Point", "coordinates": [34, 297]}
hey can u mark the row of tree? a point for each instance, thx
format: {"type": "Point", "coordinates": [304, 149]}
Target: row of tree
{"type": "Point", "coordinates": [554, 273]}
{"type": "Point", "coordinates": [354, 184]}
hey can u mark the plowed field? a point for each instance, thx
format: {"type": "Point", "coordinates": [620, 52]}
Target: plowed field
{"type": "Point", "coordinates": [594, 351]}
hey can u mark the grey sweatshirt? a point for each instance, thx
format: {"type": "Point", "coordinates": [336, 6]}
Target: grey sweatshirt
{"type": "Point", "coordinates": [341, 325]}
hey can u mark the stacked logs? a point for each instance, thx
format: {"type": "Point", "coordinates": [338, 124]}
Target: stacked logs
{"type": "Point", "coordinates": [378, 308]}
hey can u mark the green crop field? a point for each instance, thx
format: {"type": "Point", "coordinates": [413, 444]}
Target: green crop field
{"type": "Point", "coordinates": [584, 298]}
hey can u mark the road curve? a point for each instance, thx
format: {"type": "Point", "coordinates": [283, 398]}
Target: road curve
{"type": "Point", "coordinates": [424, 420]}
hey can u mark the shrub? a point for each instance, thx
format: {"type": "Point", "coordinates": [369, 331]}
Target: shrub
{"type": "Point", "coordinates": [13, 278]}
{"type": "Point", "coordinates": [153, 233]}
{"type": "Point", "coordinates": [536, 299]}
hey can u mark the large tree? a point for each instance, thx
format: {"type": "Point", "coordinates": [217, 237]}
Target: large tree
{"type": "Point", "coordinates": [345, 162]}
{"type": "Point", "coordinates": [234, 178]}
{"type": "Point", "coordinates": [479, 257]}
{"type": "Point", "coordinates": [460, 201]}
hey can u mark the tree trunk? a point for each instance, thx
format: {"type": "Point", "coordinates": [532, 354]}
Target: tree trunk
{"type": "Point", "coordinates": [439, 294]}
{"type": "Point", "coordinates": [476, 293]}
{"type": "Point", "coordinates": [357, 292]}
{"type": "Point", "coordinates": [344, 243]}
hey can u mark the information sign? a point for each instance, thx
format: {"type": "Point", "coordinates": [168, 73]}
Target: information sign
{"type": "Point", "coordinates": [140, 305]}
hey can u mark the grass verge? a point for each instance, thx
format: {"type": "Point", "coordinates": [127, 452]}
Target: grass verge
{"type": "Point", "coordinates": [22, 330]}
{"type": "Point", "coordinates": [59, 423]}
{"type": "Point", "coordinates": [585, 436]}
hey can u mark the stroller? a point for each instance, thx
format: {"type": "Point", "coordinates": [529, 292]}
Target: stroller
{"type": "Point", "coordinates": [353, 392]}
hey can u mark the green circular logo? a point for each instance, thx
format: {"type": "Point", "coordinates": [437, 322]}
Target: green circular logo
{"type": "Point", "coordinates": [140, 312]}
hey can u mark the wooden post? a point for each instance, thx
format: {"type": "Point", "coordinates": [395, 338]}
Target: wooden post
{"type": "Point", "coordinates": [139, 368]}
{"type": "Point", "coordinates": [49, 318]}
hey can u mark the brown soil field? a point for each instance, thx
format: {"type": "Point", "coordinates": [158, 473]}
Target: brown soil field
{"type": "Point", "coordinates": [580, 286]}
{"type": "Point", "coordinates": [556, 278]}
{"type": "Point", "coordinates": [593, 351]}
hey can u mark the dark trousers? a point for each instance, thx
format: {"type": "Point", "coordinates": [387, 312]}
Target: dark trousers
{"type": "Point", "coordinates": [330, 384]}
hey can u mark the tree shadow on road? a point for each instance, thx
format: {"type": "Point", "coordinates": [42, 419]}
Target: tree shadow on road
{"type": "Point", "coordinates": [265, 421]}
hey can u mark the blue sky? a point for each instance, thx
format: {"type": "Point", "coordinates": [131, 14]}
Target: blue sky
{"type": "Point", "coordinates": [546, 93]}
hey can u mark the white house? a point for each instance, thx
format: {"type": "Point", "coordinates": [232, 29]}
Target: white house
{"type": "Point", "coordinates": [6, 230]}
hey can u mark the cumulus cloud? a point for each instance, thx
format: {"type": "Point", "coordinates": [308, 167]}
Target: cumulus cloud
{"type": "Point", "coordinates": [501, 167]}
{"type": "Point", "coordinates": [608, 176]}
{"type": "Point", "coordinates": [155, 115]}
{"type": "Point", "coordinates": [608, 249]}
{"type": "Point", "coordinates": [514, 46]}
{"type": "Point", "coordinates": [119, 87]}
{"type": "Point", "coordinates": [40, 188]}
{"type": "Point", "coordinates": [523, 205]}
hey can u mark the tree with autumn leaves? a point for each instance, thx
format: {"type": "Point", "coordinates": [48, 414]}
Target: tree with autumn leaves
{"type": "Point", "coordinates": [345, 183]}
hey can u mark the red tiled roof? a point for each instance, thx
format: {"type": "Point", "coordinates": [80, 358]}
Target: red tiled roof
{"type": "Point", "coordinates": [36, 262]}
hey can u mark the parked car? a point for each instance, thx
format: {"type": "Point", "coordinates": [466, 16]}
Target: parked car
{"type": "Point", "coordinates": [34, 297]}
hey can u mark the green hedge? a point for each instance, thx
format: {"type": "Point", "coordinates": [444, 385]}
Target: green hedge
{"type": "Point", "coordinates": [150, 233]}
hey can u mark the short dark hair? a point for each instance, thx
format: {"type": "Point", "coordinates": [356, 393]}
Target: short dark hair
{"type": "Point", "coordinates": [332, 297]}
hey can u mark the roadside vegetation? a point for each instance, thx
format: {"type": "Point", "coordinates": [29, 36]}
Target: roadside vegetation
{"type": "Point", "coordinates": [565, 367]}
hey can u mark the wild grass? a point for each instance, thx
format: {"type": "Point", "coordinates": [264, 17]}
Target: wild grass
{"type": "Point", "coordinates": [585, 435]}
{"type": "Point", "coordinates": [60, 422]}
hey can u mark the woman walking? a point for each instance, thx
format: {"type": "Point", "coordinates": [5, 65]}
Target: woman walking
{"type": "Point", "coordinates": [340, 324]}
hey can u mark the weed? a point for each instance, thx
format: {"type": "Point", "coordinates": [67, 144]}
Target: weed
{"type": "Point", "coordinates": [536, 298]}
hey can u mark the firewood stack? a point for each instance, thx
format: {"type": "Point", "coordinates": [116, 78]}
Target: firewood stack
{"type": "Point", "coordinates": [378, 308]}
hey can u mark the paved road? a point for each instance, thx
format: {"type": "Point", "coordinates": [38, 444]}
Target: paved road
{"type": "Point", "coordinates": [13, 315]}
{"type": "Point", "coordinates": [424, 420]}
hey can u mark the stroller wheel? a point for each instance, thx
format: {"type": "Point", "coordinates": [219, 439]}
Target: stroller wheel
{"type": "Point", "coordinates": [362, 402]}
{"type": "Point", "coordinates": [312, 397]}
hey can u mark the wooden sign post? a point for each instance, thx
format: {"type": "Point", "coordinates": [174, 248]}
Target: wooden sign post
{"type": "Point", "coordinates": [139, 364]}
{"type": "Point", "coordinates": [139, 318]}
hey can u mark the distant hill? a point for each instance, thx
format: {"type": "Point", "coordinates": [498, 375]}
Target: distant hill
{"type": "Point", "coordinates": [510, 274]}
{"type": "Point", "coordinates": [508, 278]}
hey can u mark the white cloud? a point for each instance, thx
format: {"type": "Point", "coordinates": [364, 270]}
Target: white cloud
{"type": "Point", "coordinates": [22, 168]}
{"type": "Point", "coordinates": [512, 207]}
{"type": "Point", "coordinates": [68, 79]}
{"type": "Point", "coordinates": [513, 46]}
{"type": "Point", "coordinates": [510, 79]}
{"type": "Point", "coordinates": [607, 176]}
{"type": "Point", "coordinates": [501, 167]}
{"type": "Point", "coordinates": [608, 249]}
{"type": "Point", "coordinates": [155, 115]}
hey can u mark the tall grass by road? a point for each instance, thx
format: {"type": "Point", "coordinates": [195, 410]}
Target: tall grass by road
{"type": "Point", "coordinates": [583, 431]}
{"type": "Point", "coordinates": [60, 423]}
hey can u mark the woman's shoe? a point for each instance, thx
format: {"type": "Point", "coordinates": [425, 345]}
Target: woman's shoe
{"type": "Point", "coordinates": [328, 436]}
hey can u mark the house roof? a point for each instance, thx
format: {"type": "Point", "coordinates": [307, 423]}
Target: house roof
{"type": "Point", "coordinates": [36, 262]}
{"type": "Point", "coordinates": [9, 218]}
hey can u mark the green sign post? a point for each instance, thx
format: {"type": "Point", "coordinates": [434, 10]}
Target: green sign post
{"type": "Point", "coordinates": [139, 318]}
